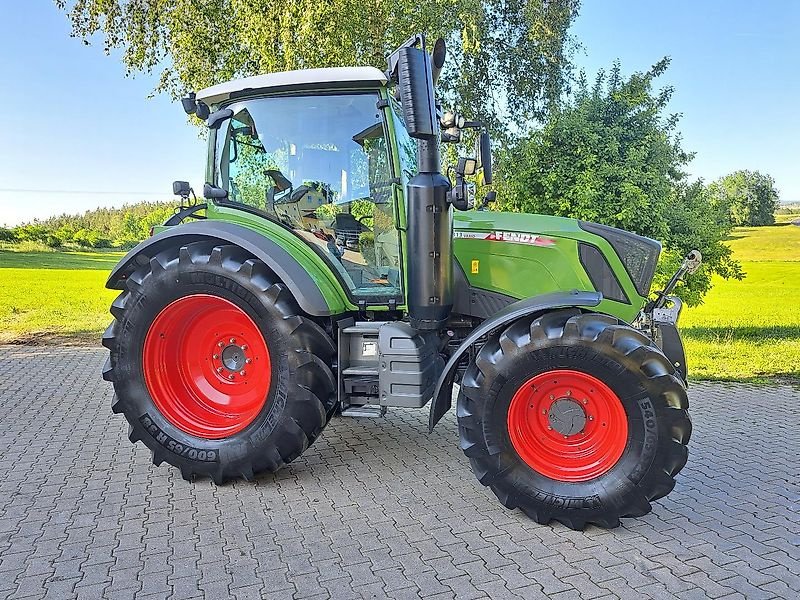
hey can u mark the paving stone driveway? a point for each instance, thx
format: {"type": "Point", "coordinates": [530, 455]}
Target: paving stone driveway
{"type": "Point", "coordinates": [375, 509]}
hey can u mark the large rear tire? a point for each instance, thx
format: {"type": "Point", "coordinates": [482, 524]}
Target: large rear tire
{"type": "Point", "coordinates": [213, 365]}
{"type": "Point", "coordinates": [574, 417]}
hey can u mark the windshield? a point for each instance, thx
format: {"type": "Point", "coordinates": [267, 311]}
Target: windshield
{"type": "Point", "coordinates": [320, 165]}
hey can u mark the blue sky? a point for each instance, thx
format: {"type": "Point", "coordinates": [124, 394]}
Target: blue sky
{"type": "Point", "coordinates": [72, 122]}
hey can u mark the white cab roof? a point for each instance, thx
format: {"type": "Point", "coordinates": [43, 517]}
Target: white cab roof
{"type": "Point", "coordinates": [335, 76]}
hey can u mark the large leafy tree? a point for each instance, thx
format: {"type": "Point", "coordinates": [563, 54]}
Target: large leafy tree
{"type": "Point", "coordinates": [612, 155]}
{"type": "Point", "coordinates": [502, 51]}
{"type": "Point", "coordinates": [748, 197]}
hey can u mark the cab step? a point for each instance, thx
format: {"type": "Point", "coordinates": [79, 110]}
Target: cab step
{"type": "Point", "coordinates": [364, 411]}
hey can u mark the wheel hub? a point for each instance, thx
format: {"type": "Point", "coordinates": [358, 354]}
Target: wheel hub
{"type": "Point", "coordinates": [233, 357]}
{"type": "Point", "coordinates": [566, 416]}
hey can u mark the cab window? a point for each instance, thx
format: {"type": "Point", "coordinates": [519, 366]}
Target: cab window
{"type": "Point", "coordinates": [320, 165]}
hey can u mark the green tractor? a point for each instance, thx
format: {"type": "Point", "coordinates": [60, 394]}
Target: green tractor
{"type": "Point", "coordinates": [327, 273]}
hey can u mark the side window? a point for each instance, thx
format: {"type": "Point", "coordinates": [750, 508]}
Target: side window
{"type": "Point", "coordinates": [320, 165]}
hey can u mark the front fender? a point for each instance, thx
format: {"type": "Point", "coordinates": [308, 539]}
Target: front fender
{"type": "Point", "coordinates": [290, 271]}
{"type": "Point", "coordinates": [442, 395]}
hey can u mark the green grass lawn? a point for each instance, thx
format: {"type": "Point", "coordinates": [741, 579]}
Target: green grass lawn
{"type": "Point", "coordinates": [745, 331]}
{"type": "Point", "coordinates": [54, 296]}
{"type": "Point", "coordinates": [750, 330]}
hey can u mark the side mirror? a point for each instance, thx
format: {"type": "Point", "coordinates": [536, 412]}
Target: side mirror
{"type": "Point", "coordinates": [181, 188]}
{"type": "Point", "coordinates": [485, 152]}
{"type": "Point", "coordinates": [415, 84]}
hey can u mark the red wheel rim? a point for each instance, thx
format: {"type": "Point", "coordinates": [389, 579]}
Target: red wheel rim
{"type": "Point", "coordinates": [567, 425]}
{"type": "Point", "coordinates": [206, 366]}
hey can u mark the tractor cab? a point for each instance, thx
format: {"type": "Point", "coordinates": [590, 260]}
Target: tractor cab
{"type": "Point", "coordinates": [315, 151]}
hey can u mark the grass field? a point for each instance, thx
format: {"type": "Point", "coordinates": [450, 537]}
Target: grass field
{"type": "Point", "coordinates": [750, 330]}
{"type": "Point", "coordinates": [54, 296]}
{"type": "Point", "coordinates": [745, 331]}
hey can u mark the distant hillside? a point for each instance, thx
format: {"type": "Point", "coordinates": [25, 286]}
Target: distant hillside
{"type": "Point", "coordinates": [100, 228]}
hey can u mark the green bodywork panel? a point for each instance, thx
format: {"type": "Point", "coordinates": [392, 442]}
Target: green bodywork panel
{"type": "Point", "coordinates": [523, 266]}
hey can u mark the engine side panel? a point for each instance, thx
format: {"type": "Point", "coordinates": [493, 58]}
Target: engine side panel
{"type": "Point", "coordinates": [521, 255]}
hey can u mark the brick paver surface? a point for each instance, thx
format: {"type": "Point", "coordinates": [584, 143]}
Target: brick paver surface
{"type": "Point", "coordinates": [375, 509]}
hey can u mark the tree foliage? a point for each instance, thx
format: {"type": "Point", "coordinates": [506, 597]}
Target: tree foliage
{"type": "Point", "coordinates": [100, 228]}
{"type": "Point", "coordinates": [749, 198]}
{"type": "Point", "coordinates": [611, 155]}
{"type": "Point", "coordinates": [498, 49]}
{"type": "Point", "coordinates": [696, 223]}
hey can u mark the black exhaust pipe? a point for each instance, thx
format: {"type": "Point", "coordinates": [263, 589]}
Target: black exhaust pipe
{"type": "Point", "coordinates": [429, 215]}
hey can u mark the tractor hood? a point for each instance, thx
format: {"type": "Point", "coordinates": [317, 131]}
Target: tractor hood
{"type": "Point", "coordinates": [521, 255]}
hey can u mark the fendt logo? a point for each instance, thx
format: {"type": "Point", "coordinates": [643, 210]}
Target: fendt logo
{"type": "Point", "coordinates": [512, 237]}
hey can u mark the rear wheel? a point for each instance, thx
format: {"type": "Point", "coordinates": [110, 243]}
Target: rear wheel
{"type": "Point", "coordinates": [213, 365]}
{"type": "Point", "coordinates": [574, 417]}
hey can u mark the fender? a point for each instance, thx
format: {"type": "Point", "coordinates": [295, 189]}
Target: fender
{"type": "Point", "coordinates": [284, 265]}
{"type": "Point", "coordinates": [669, 340]}
{"type": "Point", "coordinates": [442, 395]}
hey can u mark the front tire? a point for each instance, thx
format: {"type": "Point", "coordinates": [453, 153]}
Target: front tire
{"type": "Point", "coordinates": [213, 365]}
{"type": "Point", "coordinates": [574, 417]}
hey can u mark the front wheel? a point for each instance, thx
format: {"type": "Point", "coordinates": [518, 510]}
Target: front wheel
{"type": "Point", "coordinates": [574, 417]}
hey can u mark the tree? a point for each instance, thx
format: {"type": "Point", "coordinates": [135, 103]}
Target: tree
{"type": "Point", "coordinates": [499, 49]}
{"type": "Point", "coordinates": [695, 222]}
{"type": "Point", "coordinates": [748, 198]}
{"type": "Point", "coordinates": [611, 155]}
{"type": "Point", "coordinates": [7, 235]}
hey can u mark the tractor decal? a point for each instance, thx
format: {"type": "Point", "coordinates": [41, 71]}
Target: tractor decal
{"type": "Point", "coordinates": [513, 237]}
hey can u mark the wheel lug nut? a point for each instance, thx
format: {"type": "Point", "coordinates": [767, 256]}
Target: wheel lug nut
{"type": "Point", "coordinates": [550, 428]}
{"type": "Point", "coordinates": [591, 418]}
{"type": "Point", "coordinates": [219, 369]}
{"type": "Point", "coordinates": [232, 340]}
{"type": "Point", "coordinates": [241, 373]}
{"type": "Point", "coordinates": [248, 360]}
{"type": "Point", "coordinates": [552, 397]}
{"type": "Point", "coordinates": [244, 346]}
{"type": "Point", "coordinates": [216, 356]}
{"type": "Point", "coordinates": [585, 401]}
{"type": "Point", "coordinates": [569, 392]}
{"type": "Point", "coordinates": [230, 376]}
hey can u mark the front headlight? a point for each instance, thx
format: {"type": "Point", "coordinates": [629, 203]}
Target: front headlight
{"type": "Point", "coordinates": [638, 254]}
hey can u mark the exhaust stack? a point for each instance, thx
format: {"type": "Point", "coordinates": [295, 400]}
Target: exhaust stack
{"type": "Point", "coordinates": [429, 214]}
